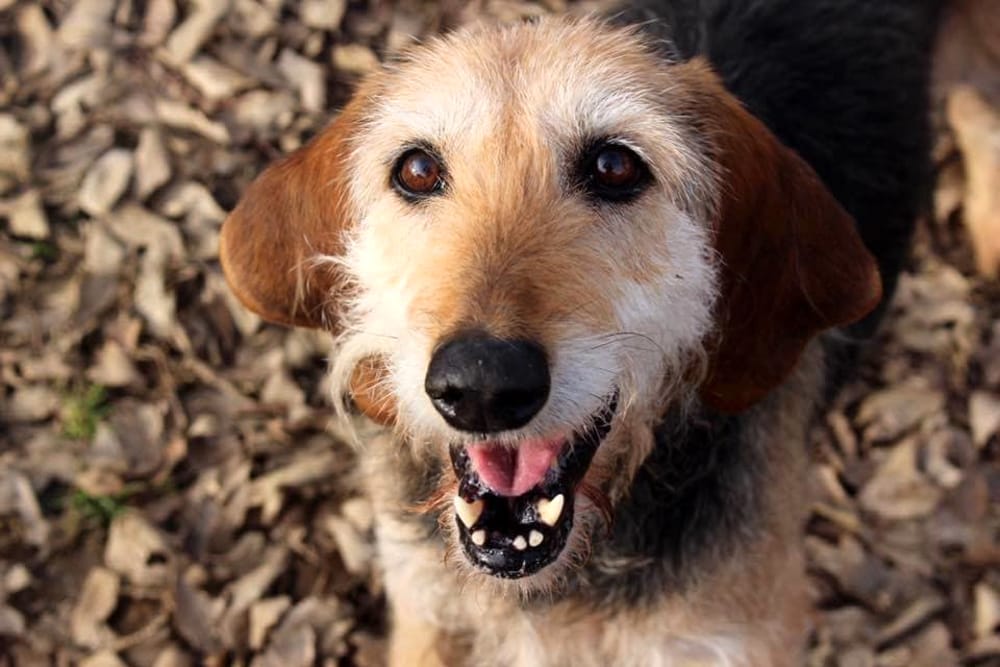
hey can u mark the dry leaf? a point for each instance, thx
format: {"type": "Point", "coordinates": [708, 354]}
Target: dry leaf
{"type": "Point", "coordinates": [306, 77]}
{"type": "Point", "coordinates": [96, 601]}
{"type": "Point", "coordinates": [322, 14]}
{"type": "Point", "coordinates": [188, 37]}
{"type": "Point", "coordinates": [137, 551]}
{"type": "Point", "coordinates": [152, 163]}
{"type": "Point", "coordinates": [15, 159]}
{"type": "Point", "coordinates": [106, 182]}
{"type": "Point", "coordinates": [987, 610]}
{"type": "Point", "coordinates": [984, 416]}
{"type": "Point", "coordinates": [977, 127]}
{"type": "Point", "coordinates": [891, 412]}
{"type": "Point", "coordinates": [899, 491]}
{"type": "Point", "coordinates": [264, 615]}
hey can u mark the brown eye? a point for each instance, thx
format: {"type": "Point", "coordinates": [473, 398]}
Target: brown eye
{"type": "Point", "coordinates": [418, 174]}
{"type": "Point", "coordinates": [614, 172]}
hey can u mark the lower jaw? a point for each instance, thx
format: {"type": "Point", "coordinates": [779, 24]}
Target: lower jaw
{"type": "Point", "coordinates": [515, 537]}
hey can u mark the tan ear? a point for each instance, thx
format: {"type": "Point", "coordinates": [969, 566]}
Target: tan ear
{"type": "Point", "coordinates": [293, 213]}
{"type": "Point", "coordinates": [793, 264]}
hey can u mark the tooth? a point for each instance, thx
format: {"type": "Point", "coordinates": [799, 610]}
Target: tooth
{"type": "Point", "coordinates": [479, 537]}
{"type": "Point", "coordinates": [549, 511]}
{"type": "Point", "coordinates": [520, 543]}
{"type": "Point", "coordinates": [535, 538]}
{"type": "Point", "coordinates": [468, 512]}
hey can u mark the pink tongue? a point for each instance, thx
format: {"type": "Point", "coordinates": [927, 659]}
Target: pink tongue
{"type": "Point", "coordinates": [512, 471]}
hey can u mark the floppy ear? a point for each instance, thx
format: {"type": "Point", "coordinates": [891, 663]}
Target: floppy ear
{"type": "Point", "coordinates": [292, 214]}
{"type": "Point", "coordinates": [793, 263]}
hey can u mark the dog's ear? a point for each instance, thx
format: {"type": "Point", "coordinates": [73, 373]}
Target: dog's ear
{"type": "Point", "coordinates": [292, 216]}
{"type": "Point", "coordinates": [793, 263]}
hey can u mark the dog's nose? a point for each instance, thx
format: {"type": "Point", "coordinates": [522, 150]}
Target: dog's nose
{"type": "Point", "coordinates": [484, 384]}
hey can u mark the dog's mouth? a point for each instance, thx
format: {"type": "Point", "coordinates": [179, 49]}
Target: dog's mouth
{"type": "Point", "coordinates": [514, 506]}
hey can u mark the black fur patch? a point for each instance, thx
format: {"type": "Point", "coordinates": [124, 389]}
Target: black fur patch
{"type": "Point", "coordinates": [693, 502]}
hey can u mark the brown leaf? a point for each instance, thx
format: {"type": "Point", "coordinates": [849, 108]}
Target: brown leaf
{"type": "Point", "coordinates": [25, 216]}
{"type": "Point", "coordinates": [977, 127]}
{"type": "Point", "coordinates": [196, 617]}
{"type": "Point", "coordinates": [891, 412]}
{"type": "Point", "coordinates": [264, 615]}
{"type": "Point", "coordinates": [899, 491]}
{"type": "Point", "coordinates": [138, 551]}
{"type": "Point", "coordinates": [152, 163]}
{"type": "Point", "coordinates": [106, 182]}
{"type": "Point", "coordinates": [984, 416]}
{"type": "Point", "coordinates": [96, 601]}
{"type": "Point", "coordinates": [15, 158]}
{"type": "Point", "coordinates": [194, 31]}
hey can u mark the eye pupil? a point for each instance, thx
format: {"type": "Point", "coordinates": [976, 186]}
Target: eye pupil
{"type": "Point", "coordinates": [613, 172]}
{"type": "Point", "coordinates": [614, 167]}
{"type": "Point", "coordinates": [418, 173]}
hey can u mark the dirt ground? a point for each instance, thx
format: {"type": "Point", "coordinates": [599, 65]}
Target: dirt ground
{"type": "Point", "coordinates": [171, 489]}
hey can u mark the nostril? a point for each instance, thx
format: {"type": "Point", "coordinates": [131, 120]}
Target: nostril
{"type": "Point", "coordinates": [519, 398]}
{"type": "Point", "coordinates": [450, 395]}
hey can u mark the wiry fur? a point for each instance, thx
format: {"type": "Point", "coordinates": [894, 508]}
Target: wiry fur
{"type": "Point", "coordinates": [398, 256]}
{"type": "Point", "coordinates": [685, 543]}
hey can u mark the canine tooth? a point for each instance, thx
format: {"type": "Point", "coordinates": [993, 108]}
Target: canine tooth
{"type": "Point", "coordinates": [549, 511]}
{"type": "Point", "coordinates": [535, 538]}
{"type": "Point", "coordinates": [520, 543]}
{"type": "Point", "coordinates": [479, 537]}
{"type": "Point", "coordinates": [468, 512]}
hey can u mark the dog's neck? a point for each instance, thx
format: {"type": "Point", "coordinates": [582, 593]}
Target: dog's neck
{"type": "Point", "coordinates": [693, 497]}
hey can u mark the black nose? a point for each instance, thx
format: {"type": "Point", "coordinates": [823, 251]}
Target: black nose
{"type": "Point", "coordinates": [485, 384]}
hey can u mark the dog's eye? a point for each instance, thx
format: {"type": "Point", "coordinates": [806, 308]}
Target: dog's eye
{"type": "Point", "coordinates": [614, 173]}
{"type": "Point", "coordinates": [418, 174]}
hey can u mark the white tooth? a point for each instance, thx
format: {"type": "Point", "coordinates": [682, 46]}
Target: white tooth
{"type": "Point", "coordinates": [479, 538]}
{"type": "Point", "coordinates": [535, 538]}
{"type": "Point", "coordinates": [468, 512]}
{"type": "Point", "coordinates": [520, 543]}
{"type": "Point", "coordinates": [549, 511]}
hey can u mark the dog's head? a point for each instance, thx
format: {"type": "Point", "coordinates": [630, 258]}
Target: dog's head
{"type": "Point", "coordinates": [529, 240]}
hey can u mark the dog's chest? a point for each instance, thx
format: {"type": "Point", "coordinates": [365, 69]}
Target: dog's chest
{"type": "Point", "coordinates": [592, 642]}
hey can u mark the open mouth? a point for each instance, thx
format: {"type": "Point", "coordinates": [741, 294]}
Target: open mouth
{"type": "Point", "coordinates": [514, 507]}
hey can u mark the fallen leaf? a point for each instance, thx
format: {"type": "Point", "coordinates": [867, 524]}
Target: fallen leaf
{"type": "Point", "coordinates": [891, 412]}
{"type": "Point", "coordinates": [306, 77]}
{"type": "Point", "coordinates": [898, 491]}
{"type": "Point", "coordinates": [26, 217]}
{"type": "Point", "coordinates": [15, 158]}
{"type": "Point", "coordinates": [152, 163]}
{"type": "Point", "coordinates": [322, 14]}
{"type": "Point", "coordinates": [105, 182]}
{"type": "Point", "coordinates": [137, 551]}
{"type": "Point", "coordinates": [94, 605]}
{"type": "Point", "coordinates": [984, 416]}
{"type": "Point", "coordinates": [264, 615]}
{"type": "Point", "coordinates": [977, 127]}
{"type": "Point", "coordinates": [986, 610]}
{"type": "Point", "coordinates": [194, 31]}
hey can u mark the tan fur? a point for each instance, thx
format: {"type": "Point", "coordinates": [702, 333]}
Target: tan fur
{"type": "Point", "coordinates": [669, 299]}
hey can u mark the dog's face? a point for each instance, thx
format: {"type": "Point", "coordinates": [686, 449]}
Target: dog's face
{"type": "Point", "coordinates": [542, 235]}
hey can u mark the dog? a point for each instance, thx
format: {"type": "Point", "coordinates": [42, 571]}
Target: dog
{"type": "Point", "coordinates": [593, 276]}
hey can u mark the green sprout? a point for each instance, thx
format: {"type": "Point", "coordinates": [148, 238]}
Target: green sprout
{"type": "Point", "coordinates": [83, 411]}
